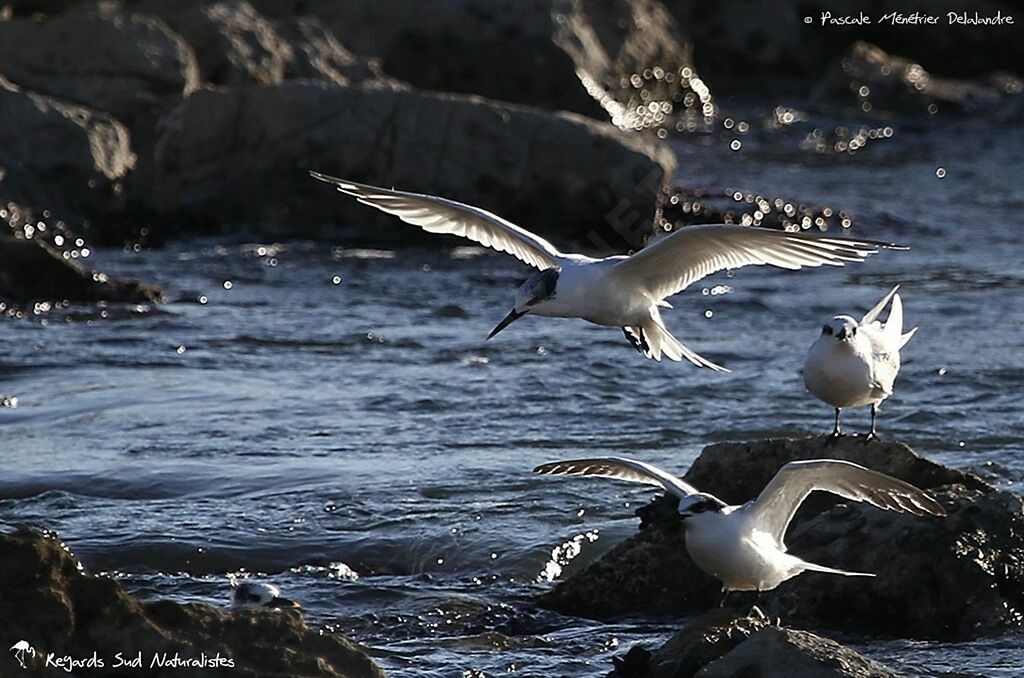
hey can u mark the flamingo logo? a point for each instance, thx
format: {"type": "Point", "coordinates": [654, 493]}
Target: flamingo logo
{"type": "Point", "coordinates": [20, 649]}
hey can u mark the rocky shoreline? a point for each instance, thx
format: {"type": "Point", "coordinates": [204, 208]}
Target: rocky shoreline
{"type": "Point", "coordinates": [163, 120]}
{"type": "Point", "coordinates": [74, 621]}
{"type": "Point", "coordinates": [954, 578]}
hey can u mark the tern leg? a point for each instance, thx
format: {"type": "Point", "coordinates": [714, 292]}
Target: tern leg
{"type": "Point", "coordinates": [632, 339]}
{"type": "Point", "coordinates": [725, 596]}
{"type": "Point", "coordinates": [838, 430]}
{"type": "Point", "coordinates": [873, 435]}
{"type": "Point", "coordinates": [643, 340]}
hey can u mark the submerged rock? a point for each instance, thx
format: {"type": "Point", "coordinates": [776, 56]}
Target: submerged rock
{"type": "Point", "coordinates": [48, 603]}
{"type": "Point", "coordinates": [952, 578]}
{"type": "Point", "coordinates": [564, 176]}
{"type": "Point", "coordinates": [725, 643]}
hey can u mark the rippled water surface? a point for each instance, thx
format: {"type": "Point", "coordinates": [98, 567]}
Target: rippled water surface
{"type": "Point", "coordinates": [332, 420]}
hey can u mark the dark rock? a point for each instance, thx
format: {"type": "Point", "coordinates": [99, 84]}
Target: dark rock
{"type": "Point", "coordinates": [869, 80]}
{"type": "Point", "coordinates": [317, 53]}
{"type": "Point", "coordinates": [633, 59]}
{"type": "Point", "coordinates": [60, 155]}
{"type": "Point", "coordinates": [958, 577]}
{"type": "Point", "coordinates": [499, 49]}
{"type": "Point", "coordinates": [128, 65]}
{"type": "Point", "coordinates": [32, 270]}
{"type": "Point", "coordinates": [46, 600]}
{"type": "Point", "coordinates": [233, 43]}
{"type": "Point", "coordinates": [242, 156]}
{"type": "Point", "coordinates": [625, 56]}
{"type": "Point", "coordinates": [775, 652]}
{"type": "Point", "coordinates": [702, 641]}
{"type": "Point", "coordinates": [741, 44]}
{"type": "Point", "coordinates": [724, 643]}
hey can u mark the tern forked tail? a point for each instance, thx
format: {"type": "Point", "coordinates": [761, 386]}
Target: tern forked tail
{"type": "Point", "coordinates": [812, 567]}
{"type": "Point", "coordinates": [661, 342]}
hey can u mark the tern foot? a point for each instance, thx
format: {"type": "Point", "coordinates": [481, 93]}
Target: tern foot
{"type": "Point", "coordinates": [756, 613]}
{"type": "Point", "coordinates": [870, 437]}
{"type": "Point", "coordinates": [633, 340]}
{"type": "Point", "coordinates": [834, 438]}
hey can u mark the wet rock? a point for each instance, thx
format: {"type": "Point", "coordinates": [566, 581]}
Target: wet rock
{"type": "Point", "coordinates": [79, 169]}
{"type": "Point", "coordinates": [633, 59]}
{"type": "Point", "coordinates": [870, 80]}
{"type": "Point", "coordinates": [563, 175]}
{"type": "Point", "coordinates": [776, 652]}
{"type": "Point", "coordinates": [952, 578]}
{"type": "Point", "coordinates": [127, 65]}
{"type": "Point", "coordinates": [725, 643]}
{"type": "Point", "coordinates": [33, 270]}
{"type": "Point", "coordinates": [47, 601]}
{"type": "Point", "coordinates": [627, 57]}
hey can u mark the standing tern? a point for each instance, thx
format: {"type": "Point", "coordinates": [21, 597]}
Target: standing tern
{"type": "Point", "coordinates": [617, 291]}
{"type": "Point", "coordinates": [742, 546]}
{"type": "Point", "coordinates": [853, 364]}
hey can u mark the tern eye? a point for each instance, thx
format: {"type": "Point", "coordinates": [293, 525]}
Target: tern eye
{"type": "Point", "coordinates": [826, 330]}
{"type": "Point", "coordinates": [853, 331]}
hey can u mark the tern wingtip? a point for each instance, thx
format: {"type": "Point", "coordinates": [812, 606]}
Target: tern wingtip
{"type": "Point", "coordinates": [327, 178]}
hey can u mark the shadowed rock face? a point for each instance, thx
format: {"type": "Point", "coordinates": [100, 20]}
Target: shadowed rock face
{"type": "Point", "coordinates": [67, 157]}
{"type": "Point", "coordinates": [500, 49]}
{"type": "Point", "coordinates": [235, 44]}
{"type": "Point", "coordinates": [127, 65]}
{"type": "Point", "coordinates": [46, 600]}
{"type": "Point", "coordinates": [724, 644]}
{"type": "Point", "coordinates": [565, 176]}
{"type": "Point", "coordinates": [957, 577]}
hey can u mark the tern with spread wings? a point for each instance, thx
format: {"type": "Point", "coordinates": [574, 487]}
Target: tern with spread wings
{"type": "Point", "coordinates": [743, 546]}
{"type": "Point", "coordinates": [617, 291]}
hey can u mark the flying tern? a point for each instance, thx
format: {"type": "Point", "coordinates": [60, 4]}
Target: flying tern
{"type": "Point", "coordinates": [743, 546]}
{"type": "Point", "coordinates": [853, 364]}
{"type": "Point", "coordinates": [617, 291]}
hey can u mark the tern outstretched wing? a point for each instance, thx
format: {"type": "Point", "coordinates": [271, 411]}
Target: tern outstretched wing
{"type": "Point", "coordinates": [674, 262]}
{"type": "Point", "coordinates": [773, 509]}
{"type": "Point", "coordinates": [622, 469]}
{"type": "Point", "coordinates": [440, 215]}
